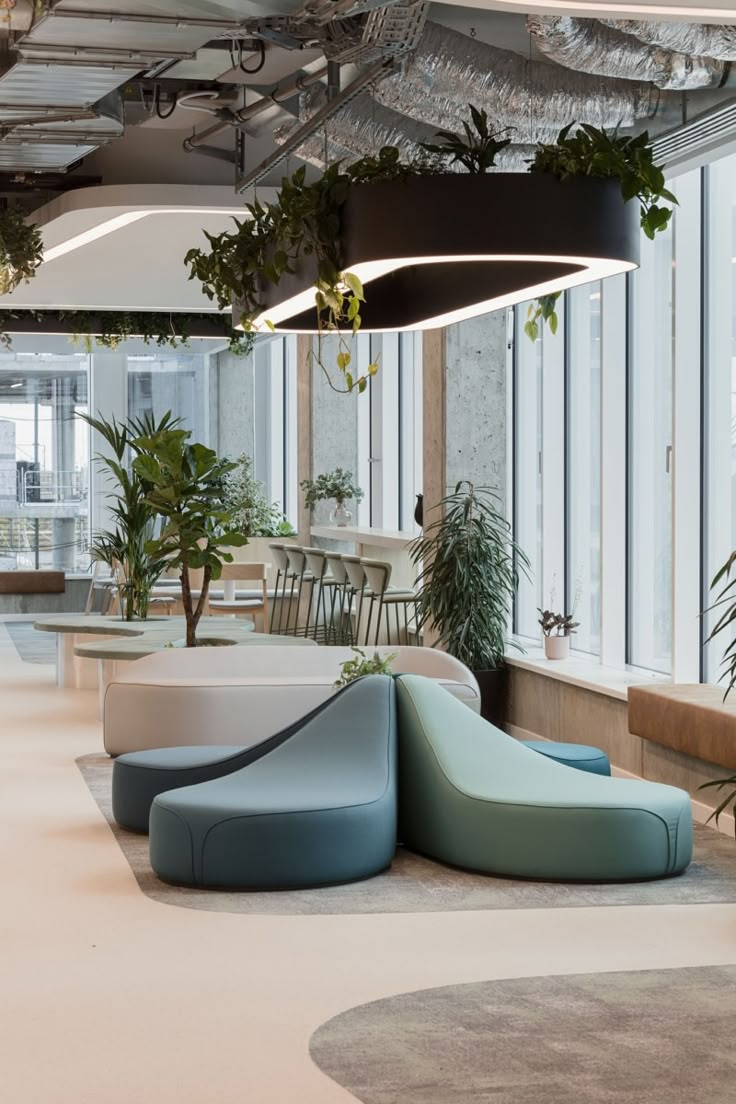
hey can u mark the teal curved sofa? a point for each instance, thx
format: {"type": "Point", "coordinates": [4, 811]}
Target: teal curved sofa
{"type": "Point", "coordinates": [138, 777]}
{"type": "Point", "coordinates": [472, 796]}
{"type": "Point", "coordinates": [318, 809]}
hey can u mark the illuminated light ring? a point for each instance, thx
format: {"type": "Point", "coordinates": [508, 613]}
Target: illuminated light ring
{"type": "Point", "coordinates": [434, 250]}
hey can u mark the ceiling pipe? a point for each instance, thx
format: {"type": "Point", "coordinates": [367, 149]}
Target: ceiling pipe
{"type": "Point", "coordinates": [591, 47]}
{"type": "Point", "coordinates": [311, 73]}
{"type": "Point", "coordinates": [173, 21]}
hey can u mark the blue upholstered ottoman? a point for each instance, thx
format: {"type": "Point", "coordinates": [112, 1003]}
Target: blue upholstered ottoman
{"type": "Point", "coordinates": [579, 756]}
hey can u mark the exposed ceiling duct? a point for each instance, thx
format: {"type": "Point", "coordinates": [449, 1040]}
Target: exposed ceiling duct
{"type": "Point", "coordinates": [450, 70]}
{"type": "Point", "coordinates": [704, 39]}
{"type": "Point", "coordinates": [60, 76]}
{"type": "Point", "coordinates": [592, 47]}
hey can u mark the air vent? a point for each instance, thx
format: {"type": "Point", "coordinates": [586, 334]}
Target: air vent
{"type": "Point", "coordinates": [696, 137]}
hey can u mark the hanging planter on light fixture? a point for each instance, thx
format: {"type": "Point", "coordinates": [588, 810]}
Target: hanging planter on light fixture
{"type": "Point", "coordinates": [432, 246]}
{"type": "Point", "coordinates": [21, 249]}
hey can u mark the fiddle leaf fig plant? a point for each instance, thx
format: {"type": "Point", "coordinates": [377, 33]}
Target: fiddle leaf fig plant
{"type": "Point", "coordinates": [187, 489]}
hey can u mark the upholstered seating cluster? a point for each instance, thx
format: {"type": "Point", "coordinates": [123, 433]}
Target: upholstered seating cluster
{"type": "Point", "coordinates": [223, 696]}
{"type": "Point", "coordinates": [319, 803]}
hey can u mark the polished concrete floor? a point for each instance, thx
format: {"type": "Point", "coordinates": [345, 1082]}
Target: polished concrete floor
{"type": "Point", "coordinates": [109, 995]}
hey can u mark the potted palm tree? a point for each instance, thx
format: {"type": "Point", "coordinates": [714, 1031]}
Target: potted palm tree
{"type": "Point", "coordinates": [469, 567]}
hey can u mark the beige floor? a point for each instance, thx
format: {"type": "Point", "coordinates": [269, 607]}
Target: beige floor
{"type": "Point", "coordinates": [109, 996]}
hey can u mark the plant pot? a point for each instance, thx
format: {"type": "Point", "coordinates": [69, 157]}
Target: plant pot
{"type": "Point", "coordinates": [493, 694]}
{"type": "Point", "coordinates": [510, 232]}
{"type": "Point", "coordinates": [341, 516]}
{"type": "Point", "coordinates": [557, 647]}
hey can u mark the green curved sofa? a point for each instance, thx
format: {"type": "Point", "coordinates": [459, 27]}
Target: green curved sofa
{"type": "Point", "coordinates": [318, 809]}
{"type": "Point", "coordinates": [473, 797]}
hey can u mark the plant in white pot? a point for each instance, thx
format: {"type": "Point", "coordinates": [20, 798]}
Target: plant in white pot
{"type": "Point", "coordinates": [338, 486]}
{"type": "Point", "coordinates": [557, 628]}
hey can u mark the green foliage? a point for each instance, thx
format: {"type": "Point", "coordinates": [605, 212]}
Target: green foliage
{"type": "Point", "coordinates": [728, 800]}
{"type": "Point", "coordinates": [246, 502]}
{"type": "Point", "coordinates": [187, 488]}
{"type": "Point", "coordinates": [468, 574]}
{"type": "Point", "coordinates": [590, 151]}
{"type": "Point", "coordinates": [725, 602]}
{"type": "Point", "coordinates": [352, 669]}
{"type": "Point", "coordinates": [124, 546]}
{"type": "Point", "coordinates": [543, 308]}
{"type": "Point", "coordinates": [338, 484]}
{"type": "Point", "coordinates": [21, 249]}
{"type": "Point", "coordinates": [557, 624]}
{"type": "Point", "coordinates": [476, 149]}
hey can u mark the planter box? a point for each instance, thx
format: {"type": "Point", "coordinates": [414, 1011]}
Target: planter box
{"type": "Point", "coordinates": [490, 239]}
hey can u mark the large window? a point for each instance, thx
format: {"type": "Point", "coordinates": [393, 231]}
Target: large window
{"type": "Point", "coordinates": [527, 391]}
{"type": "Point", "coordinates": [583, 462]}
{"type": "Point", "coordinates": [170, 381]}
{"type": "Point", "coordinates": [650, 457]}
{"type": "Point", "coordinates": [44, 462]}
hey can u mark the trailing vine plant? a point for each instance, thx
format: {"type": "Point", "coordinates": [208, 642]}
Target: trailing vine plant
{"type": "Point", "coordinates": [21, 249]}
{"type": "Point", "coordinates": [591, 151]}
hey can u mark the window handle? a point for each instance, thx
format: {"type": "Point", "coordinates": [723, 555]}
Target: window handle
{"type": "Point", "coordinates": [668, 459]}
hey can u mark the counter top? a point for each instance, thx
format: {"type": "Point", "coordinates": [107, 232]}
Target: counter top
{"type": "Point", "coordinates": [377, 538]}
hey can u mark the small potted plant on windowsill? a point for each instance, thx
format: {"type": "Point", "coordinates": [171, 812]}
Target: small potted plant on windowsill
{"type": "Point", "coordinates": [338, 486]}
{"type": "Point", "coordinates": [557, 628]}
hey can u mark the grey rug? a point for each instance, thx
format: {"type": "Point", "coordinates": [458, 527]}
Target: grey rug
{"type": "Point", "coordinates": [32, 646]}
{"type": "Point", "coordinates": [655, 1037]}
{"type": "Point", "coordinates": [416, 884]}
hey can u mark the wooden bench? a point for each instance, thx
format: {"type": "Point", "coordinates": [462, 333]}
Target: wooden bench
{"type": "Point", "coordinates": [689, 718]}
{"type": "Point", "coordinates": [32, 582]}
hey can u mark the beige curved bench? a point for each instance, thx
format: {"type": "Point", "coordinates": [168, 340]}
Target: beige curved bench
{"type": "Point", "coordinates": [237, 696]}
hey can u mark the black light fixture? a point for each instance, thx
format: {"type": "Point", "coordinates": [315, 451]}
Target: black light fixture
{"type": "Point", "coordinates": [434, 250]}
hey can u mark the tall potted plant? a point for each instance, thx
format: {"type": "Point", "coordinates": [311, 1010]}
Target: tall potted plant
{"type": "Point", "coordinates": [187, 487]}
{"type": "Point", "coordinates": [469, 567]}
{"type": "Point", "coordinates": [123, 546]}
{"type": "Point", "coordinates": [724, 583]}
{"type": "Point", "coordinates": [338, 486]}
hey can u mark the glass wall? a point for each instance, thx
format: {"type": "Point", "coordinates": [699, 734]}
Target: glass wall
{"type": "Point", "coordinates": [528, 502]}
{"type": "Point", "coordinates": [583, 464]}
{"type": "Point", "coordinates": [173, 381]}
{"type": "Point", "coordinates": [650, 456]}
{"type": "Point", "coordinates": [44, 461]}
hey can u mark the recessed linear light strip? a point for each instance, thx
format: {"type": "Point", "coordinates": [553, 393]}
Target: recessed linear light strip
{"type": "Point", "coordinates": [592, 269]}
{"type": "Point", "coordinates": [118, 222]}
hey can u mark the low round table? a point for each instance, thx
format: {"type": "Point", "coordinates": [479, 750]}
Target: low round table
{"type": "Point", "coordinates": [580, 756]}
{"type": "Point", "coordinates": [111, 640]}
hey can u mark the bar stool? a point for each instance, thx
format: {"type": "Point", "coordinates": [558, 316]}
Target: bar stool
{"type": "Point", "coordinates": [317, 568]}
{"type": "Point", "coordinates": [300, 577]}
{"type": "Point", "coordinates": [355, 592]}
{"type": "Point", "coordinates": [339, 631]}
{"type": "Point", "coordinates": [377, 577]}
{"type": "Point", "coordinates": [281, 563]}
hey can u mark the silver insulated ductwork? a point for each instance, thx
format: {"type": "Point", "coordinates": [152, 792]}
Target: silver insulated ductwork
{"type": "Point", "coordinates": [451, 70]}
{"type": "Point", "coordinates": [592, 47]}
{"type": "Point", "coordinates": [693, 39]}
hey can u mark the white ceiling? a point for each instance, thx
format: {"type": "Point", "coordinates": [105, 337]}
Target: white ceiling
{"type": "Point", "coordinates": [137, 266]}
{"type": "Point", "coordinates": [715, 11]}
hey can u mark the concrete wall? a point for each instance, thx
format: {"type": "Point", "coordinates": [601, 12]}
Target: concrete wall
{"type": "Point", "coordinates": [232, 405]}
{"type": "Point", "coordinates": [475, 402]}
{"type": "Point", "coordinates": [334, 427]}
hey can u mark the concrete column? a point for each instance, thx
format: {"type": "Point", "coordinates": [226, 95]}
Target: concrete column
{"type": "Point", "coordinates": [475, 402]}
{"type": "Point", "coordinates": [235, 397]}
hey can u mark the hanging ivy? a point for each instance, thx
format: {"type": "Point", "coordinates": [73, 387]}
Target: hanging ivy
{"type": "Point", "coordinates": [21, 249]}
{"type": "Point", "coordinates": [108, 329]}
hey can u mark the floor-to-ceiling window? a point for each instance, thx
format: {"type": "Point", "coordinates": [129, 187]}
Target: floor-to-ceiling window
{"type": "Point", "coordinates": [528, 363]}
{"type": "Point", "coordinates": [720, 390]}
{"type": "Point", "coordinates": [583, 464]}
{"type": "Point", "coordinates": [174, 381]}
{"type": "Point", "coordinates": [650, 457]}
{"type": "Point", "coordinates": [44, 461]}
